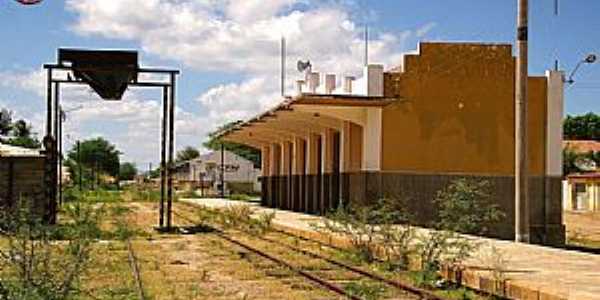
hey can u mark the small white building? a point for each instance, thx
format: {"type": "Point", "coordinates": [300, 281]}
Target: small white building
{"type": "Point", "coordinates": [240, 174]}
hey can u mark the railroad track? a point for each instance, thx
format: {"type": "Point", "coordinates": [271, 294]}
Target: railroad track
{"type": "Point", "coordinates": [320, 269]}
{"type": "Point", "coordinates": [133, 263]}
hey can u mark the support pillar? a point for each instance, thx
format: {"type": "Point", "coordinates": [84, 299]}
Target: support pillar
{"type": "Point", "coordinates": [327, 156]}
{"type": "Point", "coordinates": [286, 174]}
{"type": "Point", "coordinates": [298, 169]}
{"type": "Point", "coordinates": [351, 161]}
{"type": "Point", "coordinates": [275, 157]}
{"type": "Point", "coordinates": [265, 155]}
{"type": "Point", "coordinates": [311, 184]}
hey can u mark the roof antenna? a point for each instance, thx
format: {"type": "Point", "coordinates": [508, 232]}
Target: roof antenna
{"type": "Point", "coordinates": [366, 58]}
{"type": "Point", "coordinates": [556, 15]}
{"type": "Point", "coordinates": [283, 66]}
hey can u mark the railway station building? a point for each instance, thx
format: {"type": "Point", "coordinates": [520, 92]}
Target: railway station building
{"type": "Point", "coordinates": [446, 112]}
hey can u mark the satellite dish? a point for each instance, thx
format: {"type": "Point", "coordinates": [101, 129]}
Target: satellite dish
{"type": "Point", "coordinates": [302, 66]}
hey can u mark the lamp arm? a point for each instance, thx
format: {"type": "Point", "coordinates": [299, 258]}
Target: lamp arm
{"type": "Point", "coordinates": [570, 80]}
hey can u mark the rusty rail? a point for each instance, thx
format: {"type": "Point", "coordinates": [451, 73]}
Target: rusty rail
{"type": "Point", "coordinates": [307, 275]}
{"type": "Point", "coordinates": [136, 271]}
{"type": "Point", "coordinates": [397, 284]}
{"type": "Point", "coordinates": [422, 293]}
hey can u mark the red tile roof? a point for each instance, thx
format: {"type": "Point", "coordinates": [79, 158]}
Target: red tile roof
{"type": "Point", "coordinates": [581, 146]}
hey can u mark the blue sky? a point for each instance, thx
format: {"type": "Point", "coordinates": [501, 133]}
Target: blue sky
{"type": "Point", "coordinates": [227, 51]}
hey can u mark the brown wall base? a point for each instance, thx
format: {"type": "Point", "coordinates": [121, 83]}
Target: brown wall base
{"type": "Point", "coordinates": [322, 193]}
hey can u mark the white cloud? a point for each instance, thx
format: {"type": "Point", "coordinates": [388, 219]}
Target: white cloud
{"type": "Point", "coordinates": [240, 37]}
{"type": "Point", "coordinates": [233, 36]}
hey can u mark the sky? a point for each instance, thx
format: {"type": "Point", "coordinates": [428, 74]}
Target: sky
{"type": "Point", "coordinates": [228, 53]}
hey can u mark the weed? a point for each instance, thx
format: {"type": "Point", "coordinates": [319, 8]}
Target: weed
{"type": "Point", "coordinates": [33, 266]}
{"type": "Point", "coordinates": [384, 223]}
{"type": "Point", "coordinates": [240, 197]}
{"type": "Point", "coordinates": [496, 261]}
{"type": "Point", "coordinates": [363, 290]}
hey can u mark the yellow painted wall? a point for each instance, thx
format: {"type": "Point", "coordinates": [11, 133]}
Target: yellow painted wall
{"type": "Point", "coordinates": [456, 112]}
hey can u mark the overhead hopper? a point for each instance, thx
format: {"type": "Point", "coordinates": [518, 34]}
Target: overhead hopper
{"type": "Point", "coordinates": [107, 72]}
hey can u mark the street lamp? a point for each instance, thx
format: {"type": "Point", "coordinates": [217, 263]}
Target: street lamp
{"type": "Point", "coordinates": [590, 59]}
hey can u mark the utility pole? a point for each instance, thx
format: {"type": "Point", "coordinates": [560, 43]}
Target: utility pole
{"type": "Point", "coordinates": [222, 171]}
{"type": "Point", "coordinates": [79, 166]}
{"type": "Point", "coordinates": [366, 58]}
{"type": "Point", "coordinates": [283, 54]}
{"type": "Point", "coordinates": [521, 174]}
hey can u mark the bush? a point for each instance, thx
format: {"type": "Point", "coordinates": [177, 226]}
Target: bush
{"type": "Point", "coordinates": [465, 206]}
{"type": "Point", "coordinates": [366, 226]}
{"type": "Point", "coordinates": [240, 217]}
{"type": "Point", "coordinates": [32, 265]}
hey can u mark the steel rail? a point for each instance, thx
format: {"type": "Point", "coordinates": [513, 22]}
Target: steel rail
{"type": "Point", "coordinates": [136, 271]}
{"type": "Point", "coordinates": [422, 293]}
{"type": "Point", "coordinates": [324, 283]}
{"type": "Point", "coordinates": [397, 284]}
{"type": "Point", "coordinates": [305, 274]}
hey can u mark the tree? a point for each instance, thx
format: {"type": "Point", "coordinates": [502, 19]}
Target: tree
{"type": "Point", "coordinates": [582, 127]}
{"type": "Point", "coordinates": [214, 143]}
{"type": "Point", "coordinates": [570, 158]}
{"type": "Point", "coordinates": [16, 133]}
{"type": "Point", "coordinates": [5, 121]}
{"type": "Point", "coordinates": [127, 171]}
{"type": "Point", "coordinates": [186, 154]}
{"type": "Point", "coordinates": [96, 154]}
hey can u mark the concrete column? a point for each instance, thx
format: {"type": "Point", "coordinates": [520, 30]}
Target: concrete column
{"type": "Point", "coordinates": [326, 170]}
{"type": "Point", "coordinates": [274, 175]}
{"type": "Point", "coordinates": [553, 223]}
{"type": "Point", "coordinates": [265, 155]}
{"type": "Point", "coordinates": [286, 172]}
{"type": "Point", "coordinates": [311, 184]}
{"type": "Point", "coordinates": [372, 140]}
{"type": "Point", "coordinates": [351, 162]}
{"type": "Point", "coordinates": [298, 169]}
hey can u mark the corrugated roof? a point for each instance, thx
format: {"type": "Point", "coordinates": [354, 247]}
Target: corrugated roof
{"type": "Point", "coordinates": [12, 151]}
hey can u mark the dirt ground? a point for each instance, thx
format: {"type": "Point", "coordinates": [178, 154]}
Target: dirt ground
{"type": "Point", "coordinates": [583, 227]}
{"type": "Point", "coordinates": [199, 266]}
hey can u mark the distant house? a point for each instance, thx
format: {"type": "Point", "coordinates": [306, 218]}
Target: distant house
{"type": "Point", "coordinates": [581, 191]}
{"type": "Point", "coordinates": [240, 176]}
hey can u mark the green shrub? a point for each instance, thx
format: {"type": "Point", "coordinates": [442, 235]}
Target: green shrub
{"type": "Point", "coordinates": [364, 290]}
{"type": "Point", "coordinates": [383, 223]}
{"type": "Point", "coordinates": [465, 206]}
{"type": "Point", "coordinates": [32, 266]}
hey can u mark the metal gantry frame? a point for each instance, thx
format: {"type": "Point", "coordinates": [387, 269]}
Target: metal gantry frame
{"type": "Point", "coordinates": [54, 133]}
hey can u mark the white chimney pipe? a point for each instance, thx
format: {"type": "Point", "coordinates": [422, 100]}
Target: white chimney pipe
{"type": "Point", "coordinates": [329, 83]}
{"type": "Point", "coordinates": [299, 84]}
{"type": "Point", "coordinates": [348, 84]}
{"type": "Point", "coordinates": [313, 82]}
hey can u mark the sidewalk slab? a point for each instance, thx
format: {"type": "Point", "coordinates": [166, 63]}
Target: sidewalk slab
{"type": "Point", "coordinates": [535, 272]}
